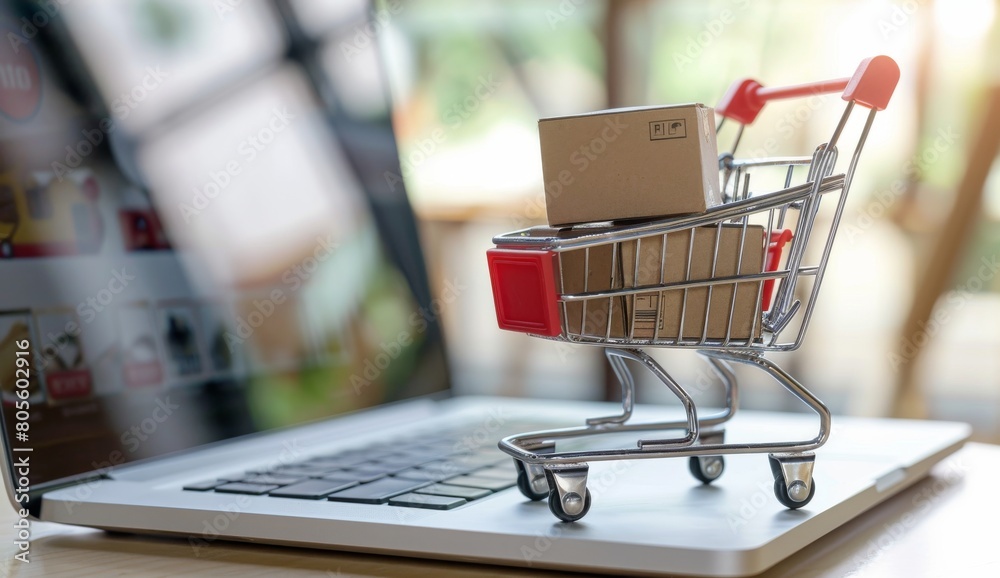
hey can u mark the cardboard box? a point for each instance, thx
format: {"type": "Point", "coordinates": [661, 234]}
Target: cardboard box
{"type": "Point", "coordinates": [629, 164]}
{"type": "Point", "coordinates": [608, 271]}
{"type": "Point", "coordinates": [605, 272]}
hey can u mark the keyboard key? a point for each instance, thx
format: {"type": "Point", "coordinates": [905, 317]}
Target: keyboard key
{"type": "Point", "coordinates": [414, 461]}
{"type": "Point", "coordinates": [400, 463]}
{"type": "Point", "coordinates": [303, 472]}
{"type": "Point", "coordinates": [204, 486]}
{"type": "Point", "coordinates": [501, 473]}
{"type": "Point", "coordinates": [423, 475]}
{"type": "Point", "coordinates": [312, 489]}
{"type": "Point", "coordinates": [242, 488]}
{"type": "Point", "coordinates": [455, 491]}
{"type": "Point", "coordinates": [355, 476]}
{"type": "Point", "coordinates": [446, 469]}
{"type": "Point", "coordinates": [362, 460]}
{"type": "Point", "coordinates": [490, 452]}
{"type": "Point", "coordinates": [348, 461]}
{"type": "Point", "coordinates": [451, 466]}
{"type": "Point", "coordinates": [380, 468]}
{"type": "Point", "coordinates": [474, 481]}
{"type": "Point", "coordinates": [443, 449]}
{"type": "Point", "coordinates": [377, 492]}
{"type": "Point", "coordinates": [275, 480]}
{"type": "Point", "coordinates": [336, 462]}
{"type": "Point", "coordinates": [473, 461]}
{"type": "Point", "coordinates": [235, 477]}
{"type": "Point", "coordinates": [426, 501]}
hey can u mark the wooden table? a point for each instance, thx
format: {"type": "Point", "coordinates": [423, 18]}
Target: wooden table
{"type": "Point", "coordinates": [944, 526]}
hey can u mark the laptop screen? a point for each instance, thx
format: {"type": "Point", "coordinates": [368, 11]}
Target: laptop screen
{"type": "Point", "coordinates": [203, 231]}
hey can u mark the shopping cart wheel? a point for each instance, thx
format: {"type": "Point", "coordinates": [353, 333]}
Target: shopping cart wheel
{"type": "Point", "coordinates": [532, 485]}
{"type": "Point", "coordinates": [557, 508]}
{"type": "Point", "coordinates": [794, 485]}
{"type": "Point", "coordinates": [781, 492]}
{"type": "Point", "coordinates": [569, 498]}
{"type": "Point", "coordinates": [706, 469]}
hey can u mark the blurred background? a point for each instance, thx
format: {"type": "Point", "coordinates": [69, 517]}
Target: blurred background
{"type": "Point", "coordinates": [470, 81]}
{"type": "Point", "coordinates": [238, 157]}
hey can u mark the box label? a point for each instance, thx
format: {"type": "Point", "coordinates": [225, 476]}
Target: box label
{"type": "Point", "coordinates": [647, 313]}
{"type": "Point", "coordinates": [664, 129]}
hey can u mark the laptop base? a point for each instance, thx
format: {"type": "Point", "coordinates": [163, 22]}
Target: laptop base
{"type": "Point", "coordinates": [648, 516]}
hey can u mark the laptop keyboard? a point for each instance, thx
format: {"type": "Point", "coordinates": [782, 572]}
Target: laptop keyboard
{"type": "Point", "coordinates": [439, 471]}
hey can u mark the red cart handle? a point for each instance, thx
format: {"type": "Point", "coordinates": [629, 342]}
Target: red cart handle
{"type": "Point", "coordinates": [871, 86]}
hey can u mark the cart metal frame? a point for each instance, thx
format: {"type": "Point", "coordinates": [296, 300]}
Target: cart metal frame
{"type": "Point", "coordinates": [561, 476]}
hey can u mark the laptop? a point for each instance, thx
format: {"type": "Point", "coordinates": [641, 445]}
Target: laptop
{"type": "Point", "coordinates": [216, 323]}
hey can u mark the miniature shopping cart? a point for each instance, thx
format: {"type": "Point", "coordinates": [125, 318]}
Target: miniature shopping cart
{"type": "Point", "coordinates": [555, 283]}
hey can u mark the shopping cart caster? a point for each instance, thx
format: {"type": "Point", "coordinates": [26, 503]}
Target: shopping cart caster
{"type": "Point", "coordinates": [569, 498]}
{"type": "Point", "coordinates": [707, 469]}
{"type": "Point", "coordinates": [531, 480]}
{"type": "Point", "coordinates": [794, 485]}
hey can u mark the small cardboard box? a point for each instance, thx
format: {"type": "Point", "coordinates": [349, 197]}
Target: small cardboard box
{"type": "Point", "coordinates": [605, 272]}
{"type": "Point", "coordinates": [608, 271]}
{"type": "Point", "coordinates": [629, 163]}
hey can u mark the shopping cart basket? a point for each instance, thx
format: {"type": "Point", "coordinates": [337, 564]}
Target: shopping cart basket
{"type": "Point", "coordinates": [608, 285]}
